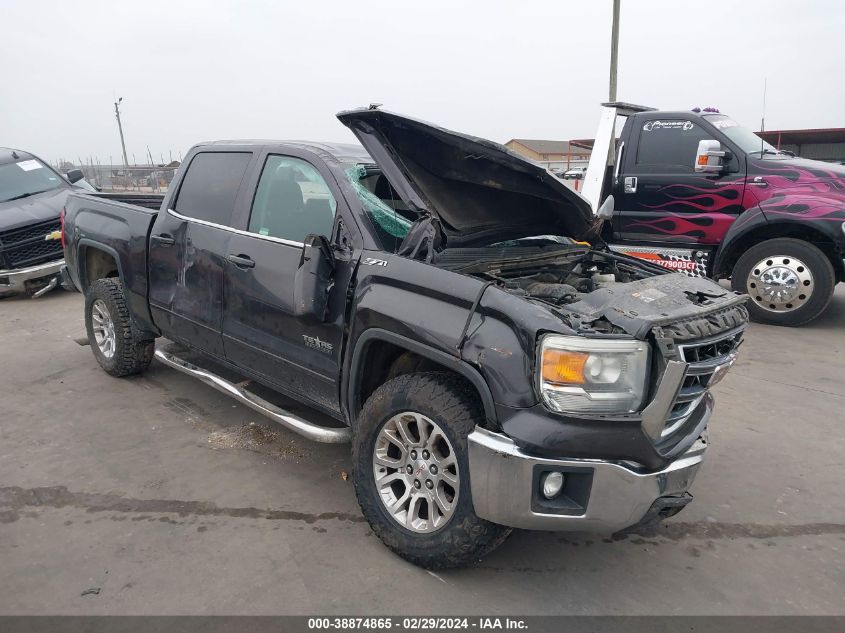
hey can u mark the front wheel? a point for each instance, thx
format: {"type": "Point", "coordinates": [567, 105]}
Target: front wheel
{"type": "Point", "coordinates": [789, 281]}
{"type": "Point", "coordinates": [411, 471]}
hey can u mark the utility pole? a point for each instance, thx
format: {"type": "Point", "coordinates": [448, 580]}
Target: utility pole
{"type": "Point", "coordinates": [122, 142]}
{"type": "Point", "coordinates": [614, 51]}
{"type": "Point", "coordinates": [614, 57]}
{"type": "Point", "coordinates": [153, 173]}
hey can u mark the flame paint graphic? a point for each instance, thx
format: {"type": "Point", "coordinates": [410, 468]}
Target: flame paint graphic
{"type": "Point", "coordinates": [701, 227]}
{"type": "Point", "coordinates": [802, 193]}
{"type": "Point", "coordinates": [703, 211]}
{"type": "Point", "coordinates": [805, 207]}
{"type": "Point", "coordinates": [701, 198]}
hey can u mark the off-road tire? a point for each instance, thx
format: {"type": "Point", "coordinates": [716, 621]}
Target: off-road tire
{"type": "Point", "coordinates": [824, 280]}
{"type": "Point", "coordinates": [133, 352]}
{"type": "Point", "coordinates": [451, 404]}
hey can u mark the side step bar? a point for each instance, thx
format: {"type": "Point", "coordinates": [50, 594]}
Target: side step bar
{"type": "Point", "coordinates": [285, 418]}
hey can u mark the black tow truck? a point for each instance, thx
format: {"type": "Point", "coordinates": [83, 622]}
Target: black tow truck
{"type": "Point", "coordinates": [427, 292]}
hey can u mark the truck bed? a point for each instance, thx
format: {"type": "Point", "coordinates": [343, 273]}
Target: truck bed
{"type": "Point", "coordinates": [117, 224]}
{"type": "Point", "coordinates": [146, 200]}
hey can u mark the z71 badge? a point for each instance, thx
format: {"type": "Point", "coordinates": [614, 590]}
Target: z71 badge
{"type": "Point", "coordinates": [370, 261]}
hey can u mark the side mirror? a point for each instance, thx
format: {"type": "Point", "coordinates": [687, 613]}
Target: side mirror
{"type": "Point", "coordinates": [605, 211]}
{"type": "Point", "coordinates": [75, 175]}
{"type": "Point", "coordinates": [710, 158]}
{"type": "Point", "coordinates": [313, 279]}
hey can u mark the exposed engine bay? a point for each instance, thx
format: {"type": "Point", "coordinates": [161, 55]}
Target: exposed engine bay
{"type": "Point", "coordinates": [594, 290]}
{"type": "Point", "coordinates": [558, 276]}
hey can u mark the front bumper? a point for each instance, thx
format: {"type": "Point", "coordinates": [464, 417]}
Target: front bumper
{"type": "Point", "coordinates": [598, 495]}
{"type": "Point", "coordinates": [22, 280]}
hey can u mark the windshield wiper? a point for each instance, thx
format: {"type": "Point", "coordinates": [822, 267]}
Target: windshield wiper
{"type": "Point", "coordinates": [24, 195]}
{"type": "Point", "coordinates": [773, 152]}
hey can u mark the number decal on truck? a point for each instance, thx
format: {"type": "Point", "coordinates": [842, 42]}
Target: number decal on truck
{"type": "Point", "coordinates": [691, 262]}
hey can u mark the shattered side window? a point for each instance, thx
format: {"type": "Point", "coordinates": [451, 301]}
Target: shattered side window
{"type": "Point", "coordinates": [390, 224]}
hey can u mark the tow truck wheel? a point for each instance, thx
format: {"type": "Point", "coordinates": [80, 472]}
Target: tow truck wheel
{"type": "Point", "coordinates": [411, 471]}
{"type": "Point", "coordinates": [116, 344]}
{"type": "Point", "coordinates": [789, 281]}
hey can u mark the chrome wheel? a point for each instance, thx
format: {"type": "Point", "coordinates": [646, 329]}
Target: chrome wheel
{"type": "Point", "coordinates": [416, 472]}
{"type": "Point", "coordinates": [103, 327]}
{"type": "Point", "coordinates": [780, 283]}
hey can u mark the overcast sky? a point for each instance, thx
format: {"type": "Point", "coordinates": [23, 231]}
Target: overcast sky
{"type": "Point", "coordinates": [193, 70]}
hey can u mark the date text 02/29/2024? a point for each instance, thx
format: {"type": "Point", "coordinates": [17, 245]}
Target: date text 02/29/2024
{"type": "Point", "coordinates": [416, 623]}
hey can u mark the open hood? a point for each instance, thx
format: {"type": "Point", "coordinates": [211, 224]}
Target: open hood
{"type": "Point", "coordinates": [479, 190]}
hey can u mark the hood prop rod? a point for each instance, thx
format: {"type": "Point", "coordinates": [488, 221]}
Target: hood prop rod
{"type": "Point", "coordinates": [463, 337]}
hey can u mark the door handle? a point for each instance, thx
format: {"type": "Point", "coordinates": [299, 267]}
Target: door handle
{"type": "Point", "coordinates": [759, 181]}
{"type": "Point", "coordinates": [164, 239]}
{"type": "Point", "coordinates": [630, 184]}
{"type": "Point", "coordinates": [241, 261]}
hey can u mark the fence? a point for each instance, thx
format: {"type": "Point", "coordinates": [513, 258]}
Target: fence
{"type": "Point", "coordinates": [140, 178]}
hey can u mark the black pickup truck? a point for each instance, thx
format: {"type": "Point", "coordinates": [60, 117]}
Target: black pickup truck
{"type": "Point", "coordinates": [427, 293]}
{"type": "Point", "coordinates": [32, 195]}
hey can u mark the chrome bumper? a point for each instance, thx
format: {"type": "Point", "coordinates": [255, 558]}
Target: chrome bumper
{"type": "Point", "coordinates": [15, 281]}
{"type": "Point", "coordinates": [605, 496]}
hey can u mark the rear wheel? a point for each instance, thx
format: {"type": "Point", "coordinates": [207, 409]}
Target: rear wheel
{"type": "Point", "coordinates": [789, 281]}
{"type": "Point", "coordinates": [117, 345]}
{"type": "Point", "coordinates": [411, 471]}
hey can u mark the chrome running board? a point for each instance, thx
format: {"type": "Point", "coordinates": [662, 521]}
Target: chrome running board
{"type": "Point", "coordinates": [285, 418]}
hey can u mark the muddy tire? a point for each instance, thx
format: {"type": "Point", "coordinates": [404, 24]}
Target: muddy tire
{"type": "Point", "coordinates": [412, 433]}
{"type": "Point", "coordinates": [790, 282]}
{"type": "Point", "coordinates": [117, 345]}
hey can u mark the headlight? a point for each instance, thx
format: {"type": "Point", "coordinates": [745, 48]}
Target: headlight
{"type": "Point", "coordinates": [593, 375]}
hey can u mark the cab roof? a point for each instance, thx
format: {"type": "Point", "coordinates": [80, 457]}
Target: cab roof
{"type": "Point", "coordinates": [8, 155]}
{"type": "Point", "coordinates": [341, 152]}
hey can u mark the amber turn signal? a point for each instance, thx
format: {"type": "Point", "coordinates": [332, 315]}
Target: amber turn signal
{"type": "Point", "coordinates": [564, 367]}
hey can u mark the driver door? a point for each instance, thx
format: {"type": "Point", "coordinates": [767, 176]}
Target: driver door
{"type": "Point", "coordinates": [660, 196]}
{"type": "Point", "coordinates": [300, 355]}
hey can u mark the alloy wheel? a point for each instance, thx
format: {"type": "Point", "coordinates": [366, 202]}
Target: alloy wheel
{"type": "Point", "coordinates": [416, 472]}
{"type": "Point", "coordinates": [103, 327]}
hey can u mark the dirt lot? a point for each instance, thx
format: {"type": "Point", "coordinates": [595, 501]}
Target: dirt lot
{"type": "Point", "coordinates": [157, 494]}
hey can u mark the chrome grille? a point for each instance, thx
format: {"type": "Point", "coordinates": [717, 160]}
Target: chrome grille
{"type": "Point", "coordinates": [26, 246]}
{"type": "Point", "coordinates": [711, 349]}
{"type": "Point", "coordinates": [704, 357]}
